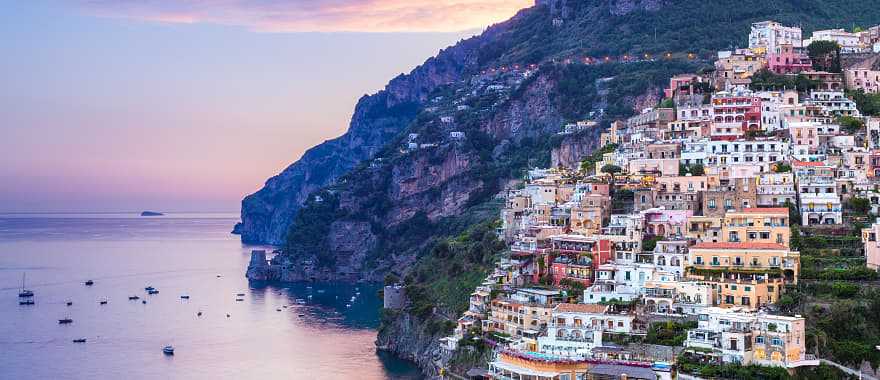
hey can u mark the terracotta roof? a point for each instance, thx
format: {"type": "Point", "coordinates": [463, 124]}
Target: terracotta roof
{"type": "Point", "coordinates": [807, 163]}
{"type": "Point", "coordinates": [746, 245]}
{"type": "Point", "coordinates": [580, 308]}
{"type": "Point", "coordinates": [766, 210]}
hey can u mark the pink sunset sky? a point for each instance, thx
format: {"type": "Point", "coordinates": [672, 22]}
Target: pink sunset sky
{"type": "Point", "coordinates": [125, 105]}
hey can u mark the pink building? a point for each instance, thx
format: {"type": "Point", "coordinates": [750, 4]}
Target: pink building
{"type": "Point", "coordinates": [786, 59]}
{"type": "Point", "coordinates": [735, 113]}
{"type": "Point", "coordinates": [872, 246]}
{"type": "Point", "coordinates": [666, 223]}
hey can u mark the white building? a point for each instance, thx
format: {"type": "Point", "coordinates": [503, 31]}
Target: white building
{"type": "Point", "coordinates": [849, 42]}
{"type": "Point", "coordinates": [821, 208]}
{"type": "Point", "coordinates": [773, 106]}
{"type": "Point", "coordinates": [761, 152]}
{"type": "Point", "coordinates": [694, 152]}
{"type": "Point", "coordinates": [835, 102]}
{"type": "Point", "coordinates": [774, 189]}
{"type": "Point", "coordinates": [574, 330]}
{"type": "Point", "coordinates": [677, 297]}
{"type": "Point", "coordinates": [671, 256]}
{"type": "Point", "coordinates": [768, 35]}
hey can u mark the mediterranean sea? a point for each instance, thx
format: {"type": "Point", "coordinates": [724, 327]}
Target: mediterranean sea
{"type": "Point", "coordinates": [289, 331]}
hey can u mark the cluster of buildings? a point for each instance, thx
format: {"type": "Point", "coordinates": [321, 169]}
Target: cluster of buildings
{"type": "Point", "coordinates": [688, 218]}
{"type": "Point", "coordinates": [782, 50]}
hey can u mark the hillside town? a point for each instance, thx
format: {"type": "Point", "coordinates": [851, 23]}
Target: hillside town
{"type": "Point", "coordinates": [687, 220]}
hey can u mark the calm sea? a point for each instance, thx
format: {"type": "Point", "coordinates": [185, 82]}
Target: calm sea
{"type": "Point", "coordinates": [329, 337]}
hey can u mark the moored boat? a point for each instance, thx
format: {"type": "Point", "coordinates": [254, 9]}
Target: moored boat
{"type": "Point", "coordinates": [134, 298]}
{"type": "Point", "coordinates": [79, 340]}
{"type": "Point", "coordinates": [24, 293]}
{"type": "Point", "coordinates": [168, 350]}
{"type": "Point", "coordinates": [65, 321]}
{"type": "Point", "coordinates": [89, 283]}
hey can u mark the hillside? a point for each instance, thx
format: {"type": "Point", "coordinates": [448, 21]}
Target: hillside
{"type": "Point", "coordinates": [589, 28]}
{"type": "Point", "coordinates": [409, 190]}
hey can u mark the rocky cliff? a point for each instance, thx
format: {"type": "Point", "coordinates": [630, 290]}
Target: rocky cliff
{"type": "Point", "coordinates": [266, 215]}
{"type": "Point", "coordinates": [574, 148]}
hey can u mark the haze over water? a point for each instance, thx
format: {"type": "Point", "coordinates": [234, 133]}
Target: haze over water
{"type": "Point", "coordinates": [177, 254]}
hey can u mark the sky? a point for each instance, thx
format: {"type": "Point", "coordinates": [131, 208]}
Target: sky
{"type": "Point", "coordinates": [169, 105]}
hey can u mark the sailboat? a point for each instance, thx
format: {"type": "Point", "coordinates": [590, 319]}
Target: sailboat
{"type": "Point", "coordinates": [24, 293]}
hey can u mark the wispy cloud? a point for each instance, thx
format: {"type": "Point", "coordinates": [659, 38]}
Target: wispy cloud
{"type": "Point", "coordinates": [317, 15]}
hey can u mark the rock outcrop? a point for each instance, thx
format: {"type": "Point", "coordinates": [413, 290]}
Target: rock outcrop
{"type": "Point", "coordinates": [407, 337]}
{"type": "Point", "coordinates": [258, 268]}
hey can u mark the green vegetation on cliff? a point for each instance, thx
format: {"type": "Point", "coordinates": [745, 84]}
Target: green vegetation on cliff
{"type": "Point", "coordinates": [600, 28]}
{"type": "Point", "coordinates": [447, 275]}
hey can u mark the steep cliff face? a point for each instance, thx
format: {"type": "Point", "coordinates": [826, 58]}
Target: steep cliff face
{"type": "Point", "coordinates": [409, 338]}
{"type": "Point", "coordinates": [266, 215]}
{"type": "Point", "coordinates": [575, 147]}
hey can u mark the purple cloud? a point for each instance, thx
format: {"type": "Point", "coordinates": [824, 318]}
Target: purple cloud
{"type": "Point", "coordinates": [318, 15]}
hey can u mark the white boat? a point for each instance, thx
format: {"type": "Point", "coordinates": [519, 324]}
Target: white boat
{"type": "Point", "coordinates": [24, 293]}
{"type": "Point", "coordinates": [168, 350]}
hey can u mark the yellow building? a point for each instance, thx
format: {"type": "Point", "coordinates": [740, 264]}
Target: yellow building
{"type": "Point", "coordinates": [744, 274]}
{"type": "Point", "coordinates": [757, 225]}
{"type": "Point", "coordinates": [704, 229]}
{"type": "Point", "coordinates": [517, 319]}
{"type": "Point", "coordinates": [779, 341]}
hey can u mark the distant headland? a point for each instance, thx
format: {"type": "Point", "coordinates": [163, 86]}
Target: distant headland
{"type": "Point", "coordinates": [152, 213]}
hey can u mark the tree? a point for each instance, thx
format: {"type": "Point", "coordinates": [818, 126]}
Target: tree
{"type": "Point", "coordinates": [860, 206]}
{"type": "Point", "coordinates": [825, 55]}
{"type": "Point", "coordinates": [765, 79]}
{"type": "Point", "coordinates": [850, 124]}
{"type": "Point", "coordinates": [612, 170]}
{"type": "Point", "coordinates": [868, 104]}
{"type": "Point", "coordinates": [782, 168]}
{"type": "Point", "coordinates": [794, 214]}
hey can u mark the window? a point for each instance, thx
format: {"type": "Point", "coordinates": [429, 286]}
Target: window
{"type": "Point", "coordinates": [728, 203]}
{"type": "Point", "coordinates": [759, 340]}
{"type": "Point", "coordinates": [777, 342]}
{"type": "Point", "coordinates": [711, 203]}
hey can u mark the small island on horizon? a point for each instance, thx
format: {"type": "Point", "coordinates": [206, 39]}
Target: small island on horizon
{"type": "Point", "coordinates": [152, 213]}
